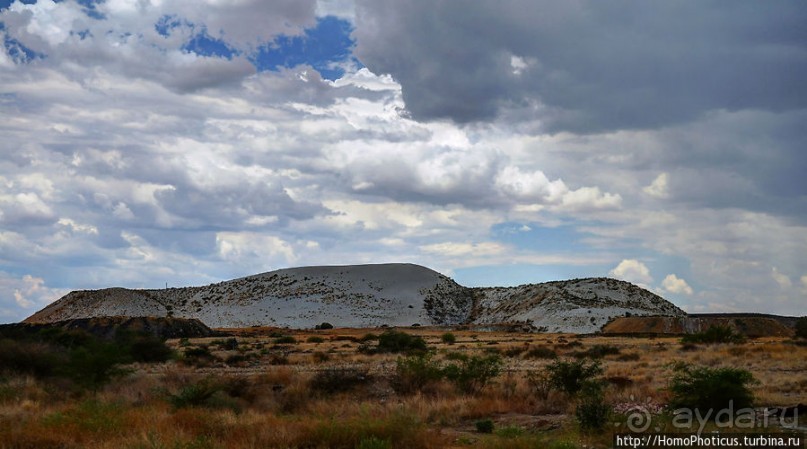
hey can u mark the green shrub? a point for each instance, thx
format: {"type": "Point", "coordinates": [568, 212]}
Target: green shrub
{"type": "Point", "coordinates": [372, 442]}
{"type": "Point", "coordinates": [197, 352]}
{"type": "Point", "coordinates": [570, 376]}
{"type": "Point", "coordinates": [448, 338]}
{"type": "Point", "coordinates": [484, 426]}
{"type": "Point", "coordinates": [197, 394]}
{"type": "Point", "coordinates": [336, 380]}
{"type": "Point", "coordinates": [286, 339]}
{"type": "Point", "coordinates": [369, 337]}
{"type": "Point", "coordinates": [704, 388]}
{"type": "Point", "coordinates": [562, 445]}
{"type": "Point", "coordinates": [454, 355]}
{"type": "Point", "coordinates": [394, 341]}
{"type": "Point", "coordinates": [592, 412]}
{"type": "Point", "coordinates": [93, 365]}
{"type": "Point", "coordinates": [315, 339]}
{"type": "Point", "coordinates": [144, 347]}
{"type": "Point", "coordinates": [509, 432]}
{"type": "Point", "coordinates": [324, 326]}
{"type": "Point", "coordinates": [416, 373]}
{"type": "Point", "coordinates": [801, 327]}
{"type": "Point", "coordinates": [230, 344]}
{"type": "Point", "coordinates": [474, 373]}
{"type": "Point", "coordinates": [715, 334]}
{"type": "Point", "coordinates": [27, 357]}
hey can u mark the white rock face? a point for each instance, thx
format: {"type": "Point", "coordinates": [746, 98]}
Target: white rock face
{"type": "Point", "coordinates": [346, 296]}
{"type": "Point", "coordinates": [369, 296]}
{"type": "Point", "coordinates": [577, 306]}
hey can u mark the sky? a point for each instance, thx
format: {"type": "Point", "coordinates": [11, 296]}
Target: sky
{"type": "Point", "coordinates": [157, 143]}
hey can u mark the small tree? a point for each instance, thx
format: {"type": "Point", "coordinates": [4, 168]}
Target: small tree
{"type": "Point", "coordinates": [472, 374]}
{"type": "Point", "coordinates": [94, 365]}
{"type": "Point", "coordinates": [448, 338]}
{"type": "Point", "coordinates": [703, 388]}
{"type": "Point", "coordinates": [592, 411]}
{"type": "Point", "coordinates": [394, 341]}
{"type": "Point", "coordinates": [715, 334]}
{"type": "Point", "coordinates": [416, 373]}
{"type": "Point", "coordinates": [570, 376]}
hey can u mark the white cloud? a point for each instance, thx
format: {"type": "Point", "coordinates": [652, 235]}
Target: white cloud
{"type": "Point", "coordinates": [632, 270]}
{"type": "Point", "coordinates": [674, 284]}
{"type": "Point", "coordinates": [782, 279]}
{"type": "Point", "coordinates": [460, 249]}
{"type": "Point", "coordinates": [128, 161]}
{"type": "Point", "coordinates": [659, 188]}
{"type": "Point", "coordinates": [29, 292]}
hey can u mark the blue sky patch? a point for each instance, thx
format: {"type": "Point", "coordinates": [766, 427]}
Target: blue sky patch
{"type": "Point", "coordinates": [166, 24]}
{"type": "Point", "coordinates": [205, 45]}
{"type": "Point", "coordinates": [18, 52]}
{"type": "Point", "coordinates": [322, 47]}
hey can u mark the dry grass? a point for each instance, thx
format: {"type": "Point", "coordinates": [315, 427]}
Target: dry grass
{"type": "Point", "coordinates": [267, 400]}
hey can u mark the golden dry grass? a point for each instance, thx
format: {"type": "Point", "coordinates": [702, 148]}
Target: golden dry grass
{"type": "Point", "coordinates": [273, 405]}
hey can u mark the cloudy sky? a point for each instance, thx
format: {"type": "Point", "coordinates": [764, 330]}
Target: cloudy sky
{"type": "Point", "coordinates": [154, 142]}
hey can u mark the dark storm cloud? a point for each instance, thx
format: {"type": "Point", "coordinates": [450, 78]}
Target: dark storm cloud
{"type": "Point", "coordinates": [588, 66]}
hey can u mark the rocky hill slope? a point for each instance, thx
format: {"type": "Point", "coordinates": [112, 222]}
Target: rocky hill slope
{"type": "Point", "coordinates": [577, 306]}
{"type": "Point", "coordinates": [368, 296]}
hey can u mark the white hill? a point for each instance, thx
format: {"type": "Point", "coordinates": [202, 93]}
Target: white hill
{"type": "Point", "coordinates": [368, 296]}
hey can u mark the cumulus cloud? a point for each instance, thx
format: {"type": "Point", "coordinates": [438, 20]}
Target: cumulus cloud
{"type": "Point", "coordinates": [129, 159]}
{"type": "Point", "coordinates": [659, 188]}
{"type": "Point", "coordinates": [676, 285]}
{"type": "Point", "coordinates": [29, 292]}
{"type": "Point", "coordinates": [632, 270]}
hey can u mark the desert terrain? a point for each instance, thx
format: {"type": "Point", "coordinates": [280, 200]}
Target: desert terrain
{"type": "Point", "coordinates": [380, 388]}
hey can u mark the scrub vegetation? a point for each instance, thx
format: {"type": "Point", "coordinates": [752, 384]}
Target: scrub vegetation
{"type": "Point", "coordinates": [371, 388]}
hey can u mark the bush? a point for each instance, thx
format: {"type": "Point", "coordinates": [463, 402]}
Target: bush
{"type": "Point", "coordinates": [448, 338]}
{"type": "Point", "coordinates": [592, 412]}
{"type": "Point", "coordinates": [715, 334]}
{"type": "Point", "coordinates": [94, 365]}
{"type": "Point", "coordinates": [324, 326]}
{"type": "Point", "coordinates": [540, 383]}
{"type": "Point", "coordinates": [474, 373]}
{"type": "Point", "coordinates": [703, 388]}
{"type": "Point", "coordinates": [484, 426]}
{"type": "Point", "coordinates": [286, 339]}
{"type": "Point", "coordinates": [570, 376]}
{"type": "Point", "coordinates": [230, 344]}
{"type": "Point", "coordinates": [36, 359]}
{"type": "Point", "coordinates": [144, 347]}
{"type": "Point", "coordinates": [541, 352]}
{"type": "Point", "coordinates": [416, 373]}
{"type": "Point", "coordinates": [394, 341]}
{"type": "Point", "coordinates": [374, 443]}
{"type": "Point", "coordinates": [194, 395]}
{"type": "Point", "coordinates": [320, 357]}
{"type": "Point", "coordinates": [598, 352]}
{"type": "Point", "coordinates": [368, 337]}
{"type": "Point", "coordinates": [801, 327]}
{"type": "Point", "coordinates": [336, 380]}
{"type": "Point", "coordinates": [315, 339]}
